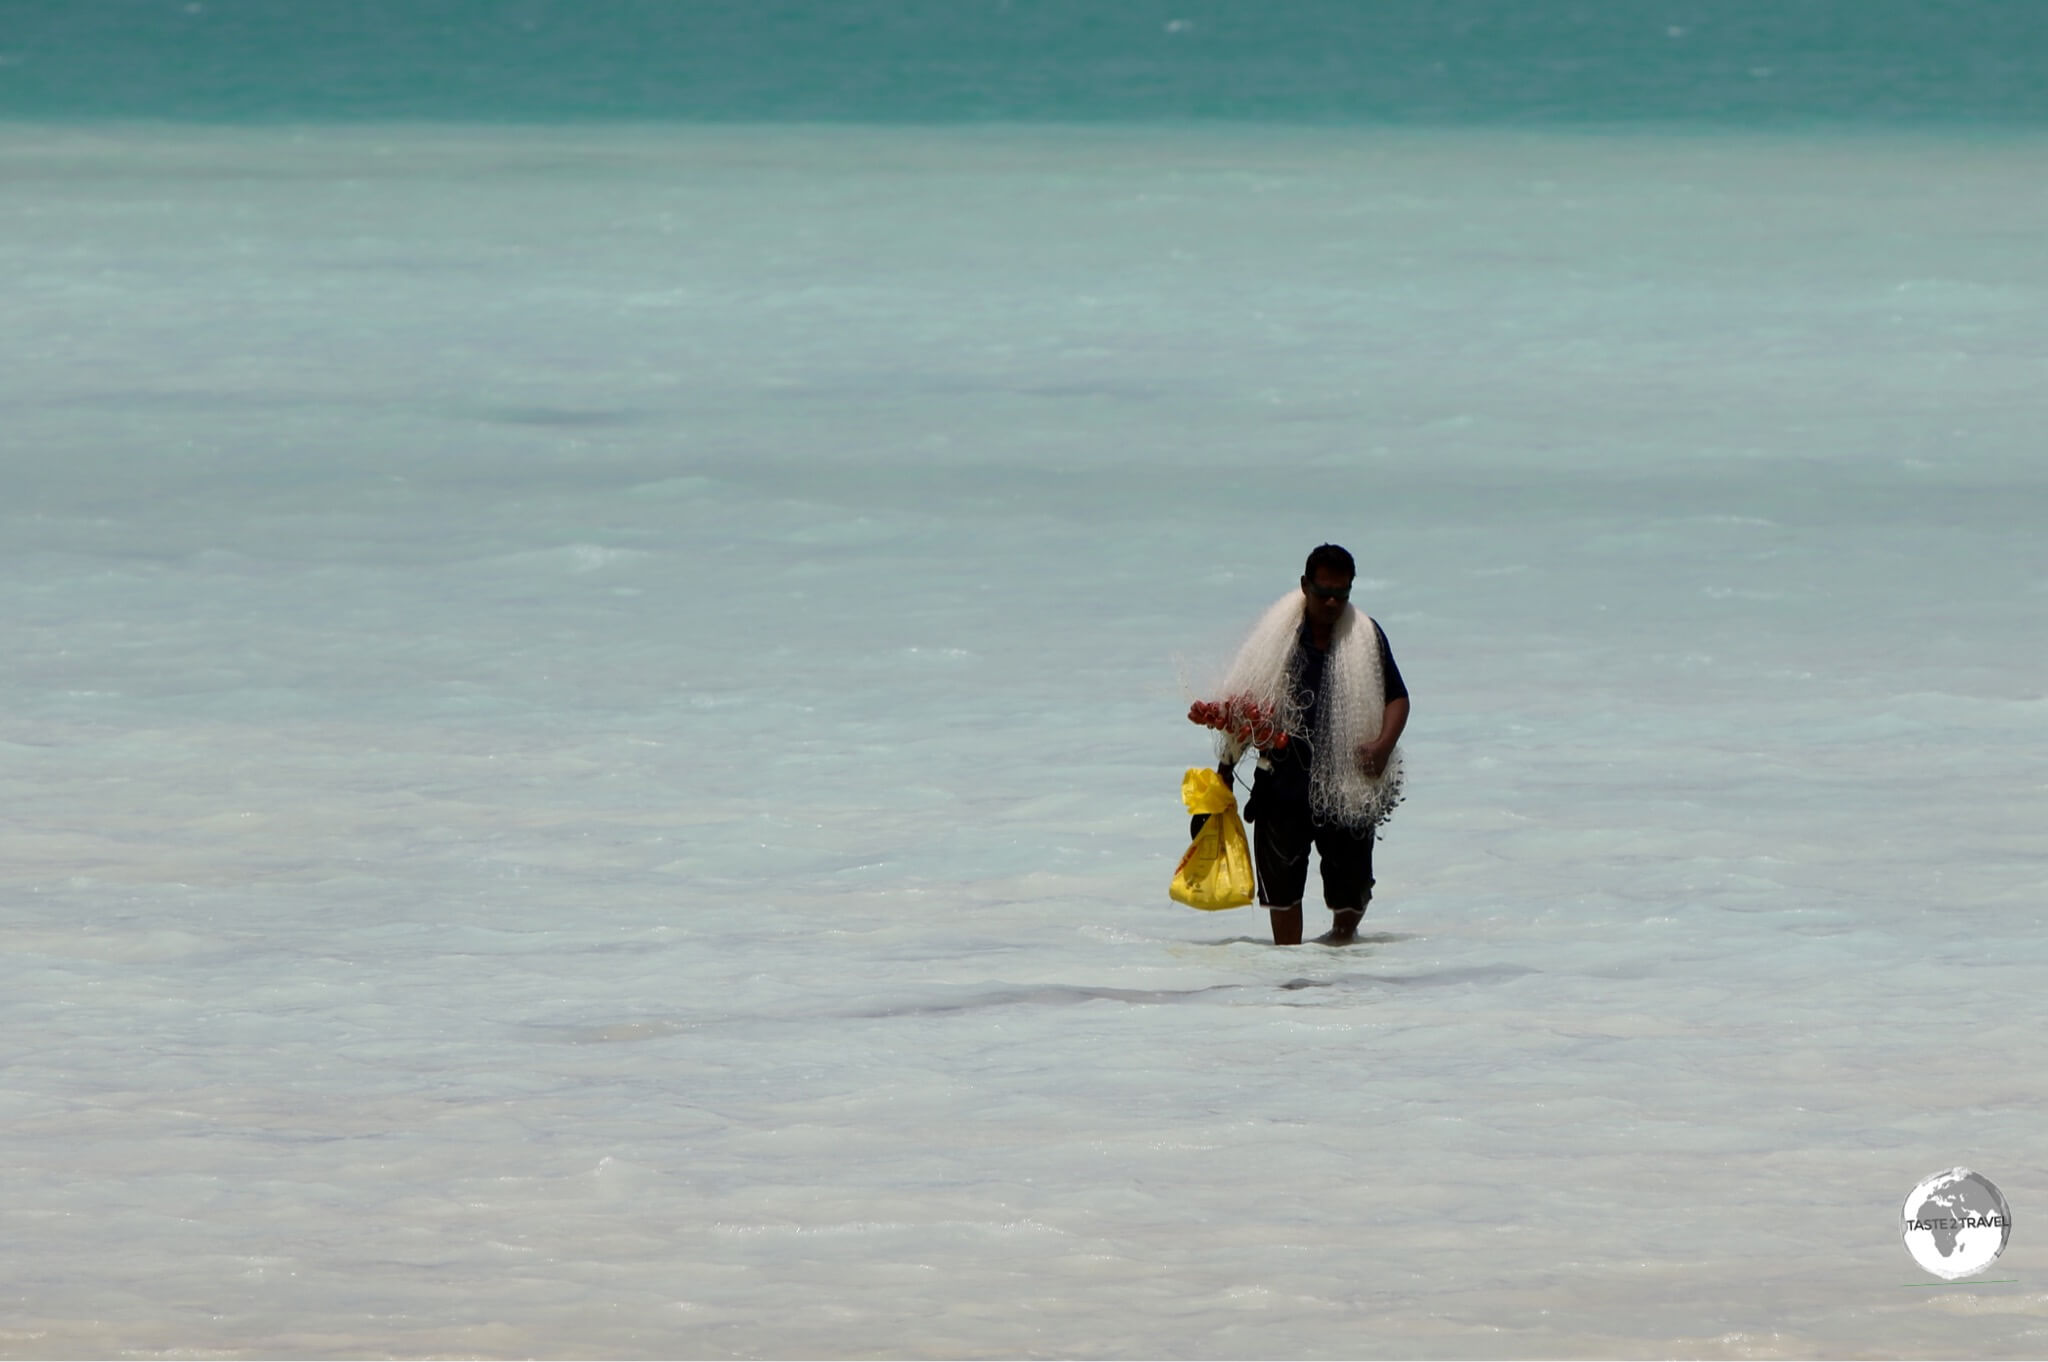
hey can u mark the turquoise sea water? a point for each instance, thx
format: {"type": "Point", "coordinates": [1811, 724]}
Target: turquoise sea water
{"type": "Point", "coordinates": [590, 741]}
{"type": "Point", "coordinates": [1414, 61]}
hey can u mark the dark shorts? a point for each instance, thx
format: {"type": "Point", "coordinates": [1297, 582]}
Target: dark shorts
{"type": "Point", "coordinates": [1281, 837]}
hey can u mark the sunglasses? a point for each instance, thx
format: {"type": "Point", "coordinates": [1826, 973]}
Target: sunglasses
{"type": "Point", "coordinates": [1326, 593]}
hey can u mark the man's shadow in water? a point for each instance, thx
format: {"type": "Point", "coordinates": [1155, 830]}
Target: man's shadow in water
{"type": "Point", "coordinates": [1362, 939]}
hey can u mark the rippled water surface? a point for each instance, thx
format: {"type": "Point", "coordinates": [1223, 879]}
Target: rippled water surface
{"type": "Point", "coordinates": [592, 727]}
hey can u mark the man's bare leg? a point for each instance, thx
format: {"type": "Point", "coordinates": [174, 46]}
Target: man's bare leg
{"type": "Point", "coordinates": [1287, 926]}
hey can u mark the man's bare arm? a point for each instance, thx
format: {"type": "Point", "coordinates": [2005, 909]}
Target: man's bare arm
{"type": "Point", "coordinates": [1373, 755]}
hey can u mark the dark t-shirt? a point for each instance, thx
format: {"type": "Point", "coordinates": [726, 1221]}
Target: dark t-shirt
{"type": "Point", "coordinates": [1285, 776]}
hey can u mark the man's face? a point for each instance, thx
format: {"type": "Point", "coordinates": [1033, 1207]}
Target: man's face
{"type": "Point", "coordinates": [1327, 592]}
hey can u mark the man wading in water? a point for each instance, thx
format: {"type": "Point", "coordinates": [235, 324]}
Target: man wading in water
{"type": "Point", "coordinates": [1324, 675]}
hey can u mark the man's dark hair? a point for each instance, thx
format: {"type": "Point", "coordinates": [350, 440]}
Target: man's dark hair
{"type": "Point", "coordinates": [1331, 557]}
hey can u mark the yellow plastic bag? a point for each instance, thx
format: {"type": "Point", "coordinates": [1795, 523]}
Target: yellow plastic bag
{"type": "Point", "coordinates": [1216, 872]}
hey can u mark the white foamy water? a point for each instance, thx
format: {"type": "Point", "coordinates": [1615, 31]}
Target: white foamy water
{"type": "Point", "coordinates": [592, 731]}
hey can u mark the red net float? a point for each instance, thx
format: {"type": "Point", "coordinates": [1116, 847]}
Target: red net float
{"type": "Point", "coordinates": [1242, 718]}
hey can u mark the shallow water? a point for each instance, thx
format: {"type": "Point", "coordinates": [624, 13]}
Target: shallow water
{"type": "Point", "coordinates": [594, 727]}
